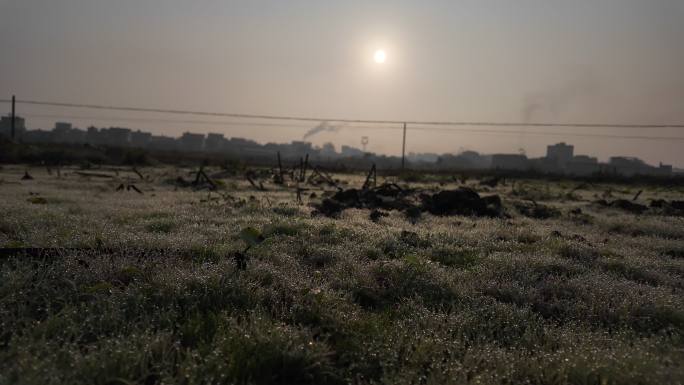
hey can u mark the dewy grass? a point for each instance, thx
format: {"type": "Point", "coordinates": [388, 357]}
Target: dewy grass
{"type": "Point", "coordinates": [155, 295]}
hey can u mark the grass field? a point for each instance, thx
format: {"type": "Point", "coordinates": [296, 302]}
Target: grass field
{"type": "Point", "coordinates": [144, 288]}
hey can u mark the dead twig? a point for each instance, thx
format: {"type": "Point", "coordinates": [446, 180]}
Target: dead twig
{"type": "Point", "coordinates": [251, 181]}
{"type": "Point", "coordinates": [371, 174]}
{"type": "Point", "coordinates": [135, 170]}
{"type": "Point", "coordinates": [279, 178]}
{"type": "Point", "coordinates": [93, 174]}
{"type": "Point", "coordinates": [132, 187]}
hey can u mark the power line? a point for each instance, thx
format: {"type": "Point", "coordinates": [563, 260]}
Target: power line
{"type": "Point", "coordinates": [555, 133]}
{"type": "Point", "coordinates": [342, 120]}
{"type": "Point", "coordinates": [147, 120]}
{"type": "Point", "coordinates": [207, 122]}
{"type": "Point", "coordinates": [419, 128]}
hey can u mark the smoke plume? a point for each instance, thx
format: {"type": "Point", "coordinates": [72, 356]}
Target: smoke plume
{"type": "Point", "coordinates": [551, 103]}
{"type": "Point", "coordinates": [322, 127]}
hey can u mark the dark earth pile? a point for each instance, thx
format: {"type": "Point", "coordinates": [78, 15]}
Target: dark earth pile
{"type": "Point", "coordinates": [462, 201]}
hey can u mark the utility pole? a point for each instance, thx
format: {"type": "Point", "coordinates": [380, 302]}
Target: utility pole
{"type": "Point", "coordinates": [13, 103]}
{"type": "Point", "coordinates": [403, 150]}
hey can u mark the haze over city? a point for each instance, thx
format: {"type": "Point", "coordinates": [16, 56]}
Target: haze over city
{"type": "Point", "coordinates": [613, 61]}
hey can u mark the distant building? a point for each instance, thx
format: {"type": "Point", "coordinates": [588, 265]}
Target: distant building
{"type": "Point", "coordinates": [214, 143]}
{"type": "Point", "coordinates": [94, 136]}
{"type": "Point", "coordinates": [628, 166]}
{"type": "Point", "coordinates": [6, 126]}
{"type": "Point", "coordinates": [299, 148]}
{"type": "Point", "coordinates": [66, 133]}
{"type": "Point", "coordinates": [191, 142]}
{"type": "Point", "coordinates": [560, 154]}
{"type": "Point", "coordinates": [163, 143]}
{"type": "Point", "coordinates": [140, 139]}
{"type": "Point", "coordinates": [510, 162]}
{"type": "Point", "coordinates": [664, 169]}
{"type": "Point", "coordinates": [63, 127]}
{"type": "Point", "coordinates": [117, 136]}
{"type": "Point", "coordinates": [422, 157]}
{"type": "Point", "coordinates": [467, 160]}
{"type": "Point", "coordinates": [328, 151]}
{"type": "Point", "coordinates": [37, 136]}
{"type": "Point", "coordinates": [583, 165]}
{"type": "Point", "coordinates": [351, 152]}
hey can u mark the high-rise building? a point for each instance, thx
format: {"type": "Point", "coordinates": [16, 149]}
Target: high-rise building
{"type": "Point", "coordinates": [191, 142]}
{"type": "Point", "coordinates": [140, 139]}
{"type": "Point", "coordinates": [6, 126]}
{"type": "Point", "coordinates": [560, 153]}
{"type": "Point", "coordinates": [214, 143]}
{"type": "Point", "coordinates": [118, 137]}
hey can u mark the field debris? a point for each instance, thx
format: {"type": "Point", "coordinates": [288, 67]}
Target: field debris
{"type": "Point", "coordinates": [93, 174]}
{"type": "Point", "coordinates": [626, 205]}
{"type": "Point", "coordinates": [637, 195]}
{"type": "Point", "coordinates": [410, 238]}
{"type": "Point", "coordinates": [535, 210]}
{"type": "Point", "coordinates": [489, 182]}
{"type": "Point", "coordinates": [462, 201]}
{"type": "Point", "coordinates": [202, 180]}
{"type": "Point", "coordinates": [128, 187]}
{"type": "Point", "coordinates": [413, 214]}
{"type": "Point", "coordinates": [623, 204]}
{"type": "Point", "coordinates": [376, 215]}
{"type": "Point", "coordinates": [372, 177]}
{"type": "Point", "coordinates": [37, 200]}
{"type": "Point", "coordinates": [138, 173]}
{"type": "Point", "coordinates": [318, 177]}
{"type": "Point", "coordinates": [390, 196]}
{"type": "Point", "coordinates": [668, 208]}
{"type": "Point", "coordinates": [251, 176]}
{"type": "Point", "coordinates": [26, 176]}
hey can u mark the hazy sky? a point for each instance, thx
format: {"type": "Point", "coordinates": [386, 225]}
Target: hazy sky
{"type": "Point", "coordinates": [612, 61]}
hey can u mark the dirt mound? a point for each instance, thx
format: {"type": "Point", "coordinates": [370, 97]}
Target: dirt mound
{"type": "Point", "coordinates": [536, 210]}
{"type": "Point", "coordinates": [463, 201]}
{"type": "Point", "coordinates": [668, 208]}
{"type": "Point", "coordinates": [624, 205]}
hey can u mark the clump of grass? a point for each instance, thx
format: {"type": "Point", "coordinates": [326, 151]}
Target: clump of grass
{"type": "Point", "coordinates": [455, 257]}
{"type": "Point", "coordinates": [161, 226]}
{"type": "Point", "coordinates": [576, 251]}
{"type": "Point", "coordinates": [316, 256]}
{"type": "Point", "coordinates": [637, 274]}
{"type": "Point", "coordinates": [37, 200]}
{"type": "Point", "coordinates": [286, 211]}
{"type": "Point", "coordinates": [644, 227]}
{"type": "Point", "coordinates": [396, 280]}
{"type": "Point", "coordinates": [393, 249]}
{"type": "Point", "coordinates": [534, 192]}
{"type": "Point", "coordinates": [412, 177]}
{"type": "Point", "coordinates": [289, 229]}
{"type": "Point", "coordinates": [205, 253]}
{"type": "Point", "coordinates": [258, 351]}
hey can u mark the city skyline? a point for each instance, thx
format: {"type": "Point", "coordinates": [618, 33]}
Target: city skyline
{"type": "Point", "coordinates": [559, 157]}
{"type": "Point", "coordinates": [316, 131]}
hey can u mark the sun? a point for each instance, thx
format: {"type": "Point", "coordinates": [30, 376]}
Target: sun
{"type": "Point", "coordinates": [380, 56]}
